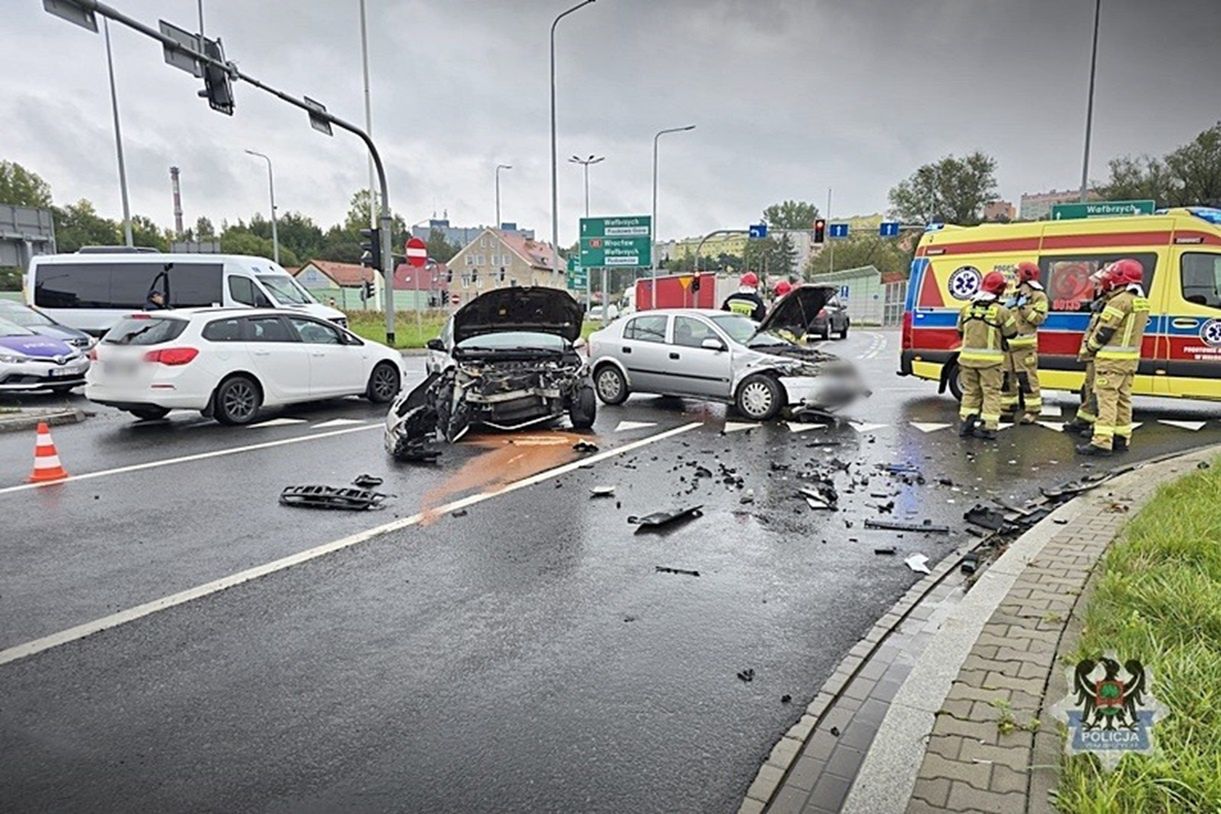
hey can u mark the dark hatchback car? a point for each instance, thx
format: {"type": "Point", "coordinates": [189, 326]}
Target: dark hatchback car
{"type": "Point", "coordinates": [34, 320]}
{"type": "Point", "coordinates": [514, 362]}
{"type": "Point", "coordinates": [832, 318]}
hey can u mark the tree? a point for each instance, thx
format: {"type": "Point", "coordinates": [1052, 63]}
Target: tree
{"type": "Point", "coordinates": [953, 190]}
{"type": "Point", "coordinates": [1139, 178]}
{"type": "Point", "coordinates": [204, 230]}
{"type": "Point", "coordinates": [1196, 169]}
{"type": "Point", "coordinates": [441, 249]}
{"type": "Point", "coordinates": [340, 245]}
{"type": "Point", "coordinates": [20, 187]}
{"type": "Point", "coordinates": [884, 254]}
{"type": "Point", "coordinates": [79, 224]}
{"type": "Point", "coordinates": [297, 232]}
{"type": "Point", "coordinates": [146, 233]}
{"type": "Point", "coordinates": [774, 256]}
{"type": "Point", "coordinates": [241, 239]}
{"type": "Point", "coordinates": [791, 215]}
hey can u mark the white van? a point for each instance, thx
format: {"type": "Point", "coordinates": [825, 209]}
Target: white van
{"type": "Point", "coordinates": [91, 290]}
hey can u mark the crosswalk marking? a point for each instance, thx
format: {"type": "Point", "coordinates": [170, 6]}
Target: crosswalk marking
{"type": "Point", "coordinates": [1194, 426]}
{"type": "Point", "coordinates": [925, 426]}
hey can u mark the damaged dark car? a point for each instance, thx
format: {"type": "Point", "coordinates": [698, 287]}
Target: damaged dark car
{"type": "Point", "coordinates": [514, 362]}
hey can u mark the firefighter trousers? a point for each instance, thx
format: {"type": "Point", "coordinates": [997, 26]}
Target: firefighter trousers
{"type": "Point", "coordinates": [981, 394]}
{"type": "Point", "coordinates": [1113, 391]}
{"type": "Point", "coordinates": [1087, 413]}
{"type": "Point", "coordinates": [1021, 383]}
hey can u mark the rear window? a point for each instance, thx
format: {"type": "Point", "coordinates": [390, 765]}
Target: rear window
{"type": "Point", "coordinates": [646, 329]}
{"type": "Point", "coordinates": [126, 284]}
{"type": "Point", "coordinates": [223, 330]}
{"type": "Point", "coordinates": [144, 331]}
{"type": "Point", "coordinates": [1068, 277]}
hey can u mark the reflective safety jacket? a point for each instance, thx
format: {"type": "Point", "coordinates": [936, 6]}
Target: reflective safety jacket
{"type": "Point", "coordinates": [747, 303]}
{"type": "Point", "coordinates": [985, 327]}
{"type": "Point", "coordinates": [1029, 312]}
{"type": "Point", "coordinates": [1120, 328]}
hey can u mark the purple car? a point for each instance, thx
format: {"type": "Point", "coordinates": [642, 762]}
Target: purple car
{"type": "Point", "coordinates": [29, 361]}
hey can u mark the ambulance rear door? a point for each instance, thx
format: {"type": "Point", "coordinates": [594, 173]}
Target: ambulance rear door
{"type": "Point", "coordinates": [1190, 317]}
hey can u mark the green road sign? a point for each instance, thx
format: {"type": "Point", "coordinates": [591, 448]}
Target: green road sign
{"type": "Point", "coordinates": [1100, 209]}
{"type": "Point", "coordinates": [617, 242]}
{"type": "Point", "coordinates": [578, 277]}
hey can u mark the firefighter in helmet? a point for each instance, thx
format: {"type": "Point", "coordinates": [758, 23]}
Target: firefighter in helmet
{"type": "Point", "coordinates": [1021, 385]}
{"type": "Point", "coordinates": [1114, 345]}
{"type": "Point", "coordinates": [1083, 422]}
{"type": "Point", "coordinates": [985, 326]}
{"type": "Point", "coordinates": [746, 299]}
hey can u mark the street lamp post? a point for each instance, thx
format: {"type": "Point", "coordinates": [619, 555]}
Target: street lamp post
{"type": "Point", "coordinates": [585, 162]}
{"type": "Point", "coordinates": [589, 291]}
{"type": "Point", "coordinates": [653, 245]}
{"type": "Point", "coordinates": [1089, 107]}
{"type": "Point", "coordinates": [271, 190]}
{"type": "Point", "coordinates": [364, 55]}
{"type": "Point", "coordinates": [499, 167]}
{"type": "Point", "coordinates": [118, 139]}
{"type": "Point", "coordinates": [555, 216]}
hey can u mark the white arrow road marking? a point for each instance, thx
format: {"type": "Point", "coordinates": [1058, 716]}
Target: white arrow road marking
{"type": "Point", "coordinates": [337, 422]}
{"type": "Point", "coordinates": [928, 427]}
{"type": "Point", "coordinates": [26, 649]}
{"type": "Point", "coordinates": [1058, 426]}
{"type": "Point", "coordinates": [734, 426]}
{"type": "Point", "coordinates": [1003, 426]}
{"type": "Point", "coordinates": [917, 563]}
{"type": "Point", "coordinates": [1183, 425]}
{"type": "Point", "coordinates": [276, 422]}
{"type": "Point", "coordinates": [865, 426]}
{"type": "Point", "coordinates": [624, 426]}
{"type": "Point", "coordinates": [1050, 409]}
{"type": "Point", "coordinates": [1137, 424]}
{"type": "Point", "coordinates": [795, 426]}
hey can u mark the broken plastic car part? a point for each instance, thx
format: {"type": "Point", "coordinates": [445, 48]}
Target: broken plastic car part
{"type": "Point", "coordinates": [331, 497]}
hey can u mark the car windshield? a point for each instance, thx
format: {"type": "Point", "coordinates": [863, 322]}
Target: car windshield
{"type": "Point", "coordinates": [144, 330]}
{"type": "Point", "coordinates": [514, 340]}
{"type": "Point", "coordinates": [745, 331]}
{"type": "Point", "coordinates": [285, 290]}
{"type": "Point", "coordinates": [25, 317]}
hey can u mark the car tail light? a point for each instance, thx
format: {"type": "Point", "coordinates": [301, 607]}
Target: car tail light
{"type": "Point", "coordinates": [171, 356]}
{"type": "Point", "coordinates": [906, 340]}
{"type": "Point", "coordinates": [92, 354]}
{"type": "Point", "coordinates": [822, 313]}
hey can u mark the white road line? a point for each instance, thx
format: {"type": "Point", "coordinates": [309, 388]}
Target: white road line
{"type": "Point", "coordinates": [338, 422]}
{"type": "Point", "coordinates": [71, 634]}
{"type": "Point", "coordinates": [275, 422]}
{"type": "Point", "coordinates": [199, 456]}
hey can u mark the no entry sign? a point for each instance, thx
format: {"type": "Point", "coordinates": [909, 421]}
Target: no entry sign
{"type": "Point", "coordinates": [417, 252]}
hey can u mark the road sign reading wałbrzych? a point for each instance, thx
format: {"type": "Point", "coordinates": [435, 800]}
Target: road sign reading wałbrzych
{"type": "Point", "coordinates": [1101, 209]}
{"type": "Point", "coordinates": [617, 242]}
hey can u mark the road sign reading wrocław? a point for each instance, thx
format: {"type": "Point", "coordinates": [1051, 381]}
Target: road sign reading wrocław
{"type": "Point", "coordinates": [618, 242]}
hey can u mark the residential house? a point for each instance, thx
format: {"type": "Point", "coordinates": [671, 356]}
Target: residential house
{"type": "Point", "coordinates": [425, 287]}
{"type": "Point", "coordinates": [335, 283]}
{"type": "Point", "coordinates": [494, 259]}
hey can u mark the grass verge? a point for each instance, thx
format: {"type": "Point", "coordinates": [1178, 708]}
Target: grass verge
{"type": "Point", "coordinates": [1159, 599]}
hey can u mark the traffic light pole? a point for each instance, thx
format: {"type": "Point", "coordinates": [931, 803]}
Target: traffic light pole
{"type": "Point", "coordinates": [232, 70]}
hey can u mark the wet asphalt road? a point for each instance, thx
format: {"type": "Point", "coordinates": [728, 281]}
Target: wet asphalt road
{"type": "Point", "coordinates": [525, 656]}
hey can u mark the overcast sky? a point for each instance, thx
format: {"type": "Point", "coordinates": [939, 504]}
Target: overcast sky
{"type": "Point", "coordinates": [790, 97]}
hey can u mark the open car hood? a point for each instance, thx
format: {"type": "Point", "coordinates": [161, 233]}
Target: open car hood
{"type": "Point", "coordinates": [795, 313]}
{"type": "Point", "coordinates": [539, 309]}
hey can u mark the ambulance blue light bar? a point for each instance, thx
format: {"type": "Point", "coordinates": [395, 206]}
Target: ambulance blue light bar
{"type": "Point", "coordinates": [1206, 213]}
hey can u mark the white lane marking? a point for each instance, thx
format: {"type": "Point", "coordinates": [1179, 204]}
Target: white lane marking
{"type": "Point", "coordinates": [735, 426]}
{"type": "Point", "coordinates": [1050, 409]}
{"type": "Point", "coordinates": [624, 426]}
{"type": "Point", "coordinates": [928, 426]}
{"type": "Point", "coordinates": [338, 422]}
{"type": "Point", "coordinates": [71, 634]}
{"type": "Point", "coordinates": [1194, 426]}
{"type": "Point", "coordinates": [876, 346]}
{"type": "Point", "coordinates": [1058, 426]}
{"type": "Point", "coordinates": [798, 427]}
{"type": "Point", "coordinates": [276, 422]}
{"type": "Point", "coordinates": [865, 426]}
{"type": "Point", "coordinates": [1003, 425]}
{"type": "Point", "coordinates": [199, 456]}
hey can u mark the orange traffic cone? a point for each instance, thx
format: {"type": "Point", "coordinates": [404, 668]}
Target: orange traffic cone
{"type": "Point", "coordinates": [46, 460]}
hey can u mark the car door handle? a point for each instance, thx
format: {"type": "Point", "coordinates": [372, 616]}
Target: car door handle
{"type": "Point", "coordinates": [318, 353]}
{"type": "Point", "coordinates": [1184, 322]}
{"type": "Point", "coordinates": [627, 350]}
{"type": "Point", "coordinates": [262, 353]}
{"type": "Point", "coordinates": [673, 355]}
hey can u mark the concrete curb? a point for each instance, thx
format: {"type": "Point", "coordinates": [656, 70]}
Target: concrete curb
{"type": "Point", "coordinates": [20, 421]}
{"type": "Point", "coordinates": [939, 746]}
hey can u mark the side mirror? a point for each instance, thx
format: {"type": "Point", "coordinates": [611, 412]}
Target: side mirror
{"type": "Point", "coordinates": [712, 343]}
{"type": "Point", "coordinates": [435, 344]}
{"type": "Point", "coordinates": [580, 343]}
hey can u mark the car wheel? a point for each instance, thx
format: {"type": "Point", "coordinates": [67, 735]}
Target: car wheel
{"type": "Point", "coordinates": [384, 383]}
{"type": "Point", "coordinates": [237, 400]}
{"type": "Point", "coordinates": [583, 409]}
{"type": "Point", "coordinates": [844, 333]}
{"type": "Point", "coordinates": [149, 413]}
{"type": "Point", "coordinates": [759, 397]}
{"type": "Point", "coordinates": [954, 382]}
{"type": "Point", "coordinates": [610, 385]}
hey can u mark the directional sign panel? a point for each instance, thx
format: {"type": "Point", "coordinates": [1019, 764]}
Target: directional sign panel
{"type": "Point", "coordinates": [177, 57]}
{"type": "Point", "coordinates": [757, 231]}
{"type": "Point", "coordinates": [888, 228]}
{"type": "Point", "coordinates": [1100, 209]}
{"type": "Point", "coordinates": [837, 230]}
{"type": "Point", "coordinates": [578, 278]}
{"type": "Point", "coordinates": [616, 242]}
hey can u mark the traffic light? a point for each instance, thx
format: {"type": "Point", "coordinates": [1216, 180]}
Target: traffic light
{"type": "Point", "coordinates": [449, 275]}
{"type": "Point", "coordinates": [371, 248]}
{"type": "Point", "coordinates": [366, 291]}
{"type": "Point", "coordinates": [502, 274]}
{"type": "Point", "coordinates": [820, 230]}
{"type": "Point", "coordinates": [218, 87]}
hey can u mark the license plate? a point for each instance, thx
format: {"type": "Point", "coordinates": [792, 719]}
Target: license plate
{"type": "Point", "coordinates": [63, 373]}
{"type": "Point", "coordinates": [121, 368]}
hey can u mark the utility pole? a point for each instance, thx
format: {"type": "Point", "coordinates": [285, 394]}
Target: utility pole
{"type": "Point", "coordinates": [118, 138]}
{"type": "Point", "coordinates": [555, 213]}
{"type": "Point", "coordinates": [1089, 107]}
{"type": "Point", "coordinates": [271, 189]}
{"type": "Point", "coordinates": [499, 167]}
{"type": "Point", "coordinates": [176, 189]}
{"type": "Point", "coordinates": [364, 55]}
{"type": "Point", "coordinates": [830, 243]}
{"type": "Point", "coordinates": [653, 220]}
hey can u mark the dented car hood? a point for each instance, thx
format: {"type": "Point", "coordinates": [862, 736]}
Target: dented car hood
{"type": "Point", "coordinates": [795, 313]}
{"type": "Point", "coordinates": [539, 309]}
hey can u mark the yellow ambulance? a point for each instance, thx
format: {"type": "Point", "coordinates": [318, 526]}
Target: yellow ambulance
{"type": "Point", "coordinates": [1180, 250]}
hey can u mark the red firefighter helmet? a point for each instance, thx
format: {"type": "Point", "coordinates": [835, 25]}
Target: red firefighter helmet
{"type": "Point", "coordinates": [1027, 272]}
{"type": "Point", "coordinates": [994, 283]}
{"type": "Point", "coordinates": [750, 280]}
{"type": "Point", "coordinates": [1127, 271]}
{"type": "Point", "coordinates": [783, 287]}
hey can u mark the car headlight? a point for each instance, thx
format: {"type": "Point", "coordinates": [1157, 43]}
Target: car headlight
{"type": "Point", "coordinates": [13, 359]}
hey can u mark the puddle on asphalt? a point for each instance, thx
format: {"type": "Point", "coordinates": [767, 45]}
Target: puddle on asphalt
{"type": "Point", "coordinates": [506, 458]}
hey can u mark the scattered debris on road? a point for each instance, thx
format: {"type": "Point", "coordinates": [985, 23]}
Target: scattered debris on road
{"type": "Point", "coordinates": [746, 675]}
{"type": "Point", "coordinates": [331, 497]}
{"type": "Point", "coordinates": [985, 517]}
{"type": "Point", "coordinates": [917, 563]}
{"type": "Point", "coordinates": [458, 513]}
{"type": "Point", "coordinates": [887, 549]}
{"type": "Point", "coordinates": [602, 491]}
{"type": "Point", "coordinates": [786, 698]}
{"type": "Point", "coordinates": [658, 520]}
{"type": "Point", "coordinates": [926, 526]}
{"type": "Point", "coordinates": [366, 481]}
{"type": "Point", "coordinates": [665, 569]}
{"type": "Point", "coordinates": [970, 563]}
{"type": "Point", "coordinates": [585, 446]}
